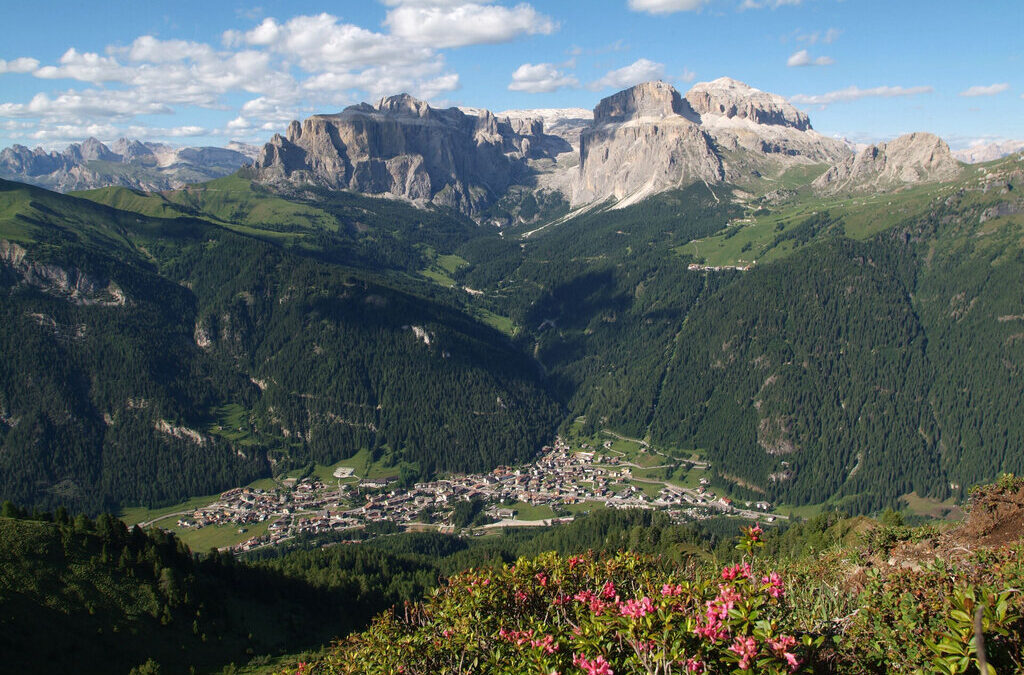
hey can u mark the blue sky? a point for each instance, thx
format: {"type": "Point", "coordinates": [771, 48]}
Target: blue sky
{"type": "Point", "coordinates": [208, 72]}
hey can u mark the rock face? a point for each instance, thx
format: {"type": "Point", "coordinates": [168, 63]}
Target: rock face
{"type": "Point", "coordinates": [72, 284]}
{"type": "Point", "coordinates": [726, 97]}
{"type": "Point", "coordinates": [988, 151]}
{"type": "Point", "coordinates": [127, 162]}
{"type": "Point", "coordinates": [405, 148]}
{"type": "Point", "coordinates": [644, 140]}
{"type": "Point", "coordinates": [907, 160]}
{"type": "Point", "coordinates": [758, 133]}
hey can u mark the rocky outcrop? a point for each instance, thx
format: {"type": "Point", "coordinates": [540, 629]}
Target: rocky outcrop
{"type": "Point", "coordinates": [644, 140]}
{"type": "Point", "coordinates": [729, 98]}
{"type": "Point", "coordinates": [91, 164]}
{"type": "Point", "coordinates": [402, 147]}
{"type": "Point", "coordinates": [71, 284]}
{"type": "Point", "coordinates": [908, 160]}
{"type": "Point", "coordinates": [987, 152]}
{"type": "Point", "coordinates": [758, 133]}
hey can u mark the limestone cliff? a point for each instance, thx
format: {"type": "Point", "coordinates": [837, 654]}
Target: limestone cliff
{"type": "Point", "coordinates": [908, 160]}
{"type": "Point", "coordinates": [405, 148]}
{"type": "Point", "coordinates": [644, 140]}
{"type": "Point", "coordinates": [758, 133]}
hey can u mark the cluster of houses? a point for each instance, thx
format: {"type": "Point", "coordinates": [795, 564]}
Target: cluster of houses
{"type": "Point", "coordinates": [559, 478]}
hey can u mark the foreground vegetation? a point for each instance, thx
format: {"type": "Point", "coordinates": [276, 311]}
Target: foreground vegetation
{"type": "Point", "coordinates": [875, 608]}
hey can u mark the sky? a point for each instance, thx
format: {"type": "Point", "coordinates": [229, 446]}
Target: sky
{"type": "Point", "coordinates": [204, 73]}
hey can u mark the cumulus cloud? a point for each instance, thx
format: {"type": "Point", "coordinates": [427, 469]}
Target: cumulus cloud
{"type": "Point", "coordinates": [20, 65]}
{"type": "Point", "coordinates": [666, 6]}
{"type": "Point", "coordinates": [90, 103]}
{"type": "Point", "coordinates": [641, 70]}
{"type": "Point", "coordinates": [443, 25]}
{"type": "Point", "coordinates": [854, 93]}
{"type": "Point", "coordinates": [281, 69]}
{"type": "Point", "coordinates": [803, 58]}
{"type": "Point", "coordinates": [540, 78]}
{"type": "Point", "coordinates": [985, 90]}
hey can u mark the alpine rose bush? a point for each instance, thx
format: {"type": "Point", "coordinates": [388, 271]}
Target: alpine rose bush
{"type": "Point", "coordinates": [586, 615]}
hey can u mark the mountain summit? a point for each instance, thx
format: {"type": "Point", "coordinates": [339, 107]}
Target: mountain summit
{"type": "Point", "coordinates": [405, 148]}
{"type": "Point", "coordinates": [638, 142]}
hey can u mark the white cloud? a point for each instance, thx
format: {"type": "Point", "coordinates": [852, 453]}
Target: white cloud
{"type": "Point", "coordinates": [149, 48]}
{"type": "Point", "coordinates": [854, 93]}
{"type": "Point", "coordinates": [803, 58]}
{"type": "Point", "coordinates": [321, 42]}
{"type": "Point", "coordinates": [19, 65]}
{"type": "Point", "coordinates": [540, 78]}
{"type": "Point", "coordinates": [828, 37]}
{"type": "Point", "coordinates": [641, 70]}
{"type": "Point", "coordinates": [89, 103]}
{"type": "Point", "coordinates": [443, 25]}
{"type": "Point", "coordinates": [688, 75]}
{"type": "Point", "coordinates": [773, 4]}
{"type": "Point", "coordinates": [666, 6]}
{"type": "Point", "coordinates": [87, 67]}
{"type": "Point", "coordinates": [985, 90]}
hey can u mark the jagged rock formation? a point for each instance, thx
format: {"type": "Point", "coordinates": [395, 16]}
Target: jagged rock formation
{"type": "Point", "coordinates": [644, 140]}
{"type": "Point", "coordinates": [908, 160]}
{"type": "Point", "coordinates": [127, 162]}
{"type": "Point", "coordinates": [72, 284]}
{"type": "Point", "coordinates": [987, 152]}
{"type": "Point", "coordinates": [729, 98]}
{"type": "Point", "coordinates": [405, 148]}
{"type": "Point", "coordinates": [648, 138]}
{"type": "Point", "coordinates": [758, 133]}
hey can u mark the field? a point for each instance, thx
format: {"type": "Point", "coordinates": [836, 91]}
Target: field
{"type": "Point", "coordinates": [219, 536]}
{"type": "Point", "coordinates": [526, 511]}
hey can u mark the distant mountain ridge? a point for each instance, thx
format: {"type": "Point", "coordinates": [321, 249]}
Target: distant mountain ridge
{"type": "Point", "coordinates": [126, 162]}
{"type": "Point", "coordinates": [638, 142]}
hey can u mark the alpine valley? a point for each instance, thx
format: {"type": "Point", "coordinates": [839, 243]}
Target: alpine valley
{"type": "Point", "coordinates": [399, 317]}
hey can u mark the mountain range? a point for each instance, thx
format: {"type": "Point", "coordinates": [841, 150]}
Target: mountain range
{"type": "Point", "coordinates": [704, 271]}
{"type": "Point", "coordinates": [127, 162]}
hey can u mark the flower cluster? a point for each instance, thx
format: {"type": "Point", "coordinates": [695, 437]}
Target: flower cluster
{"type": "Point", "coordinates": [586, 615]}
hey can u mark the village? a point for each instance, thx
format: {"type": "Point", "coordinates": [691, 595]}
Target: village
{"type": "Point", "coordinates": [561, 482]}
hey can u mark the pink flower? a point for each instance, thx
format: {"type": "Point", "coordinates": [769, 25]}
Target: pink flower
{"type": "Point", "coordinates": [695, 665]}
{"type": "Point", "coordinates": [596, 667]}
{"type": "Point", "coordinates": [516, 637]}
{"type": "Point", "coordinates": [542, 578]}
{"type": "Point", "coordinates": [608, 592]}
{"type": "Point", "coordinates": [741, 571]}
{"type": "Point", "coordinates": [546, 643]}
{"type": "Point", "coordinates": [520, 596]}
{"type": "Point", "coordinates": [746, 649]}
{"type": "Point", "coordinates": [670, 591]}
{"type": "Point", "coordinates": [637, 608]}
{"type": "Point", "coordinates": [774, 585]}
{"type": "Point", "coordinates": [781, 647]}
{"type": "Point", "coordinates": [574, 561]}
{"type": "Point", "coordinates": [755, 532]}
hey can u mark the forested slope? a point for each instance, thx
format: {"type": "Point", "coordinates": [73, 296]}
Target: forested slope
{"type": "Point", "coordinates": [133, 346]}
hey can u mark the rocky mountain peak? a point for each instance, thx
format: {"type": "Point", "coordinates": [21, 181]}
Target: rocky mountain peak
{"type": "Point", "coordinates": [731, 98]}
{"type": "Point", "coordinates": [646, 100]}
{"type": "Point", "coordinates": [93, 149]}
{"type": "Point", "coordinates": [910, 159]}
{"type": "Point", "coordinates": [403, 104]}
